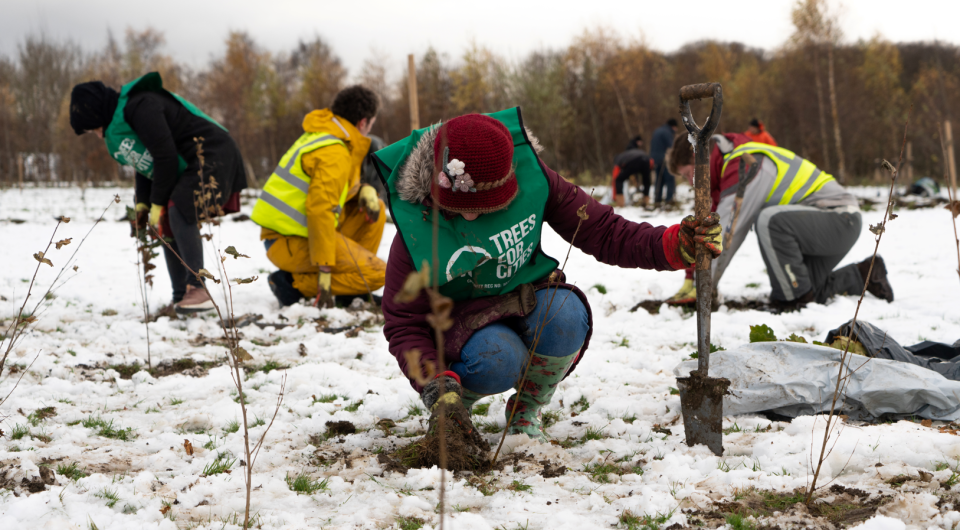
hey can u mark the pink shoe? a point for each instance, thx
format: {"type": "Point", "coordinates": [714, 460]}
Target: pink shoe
{"type": "Point", "coordinates": [195, 300]}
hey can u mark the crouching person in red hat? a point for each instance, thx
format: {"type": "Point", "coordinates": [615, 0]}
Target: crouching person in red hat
{"type": "Point", "coordinates": [494, 195]}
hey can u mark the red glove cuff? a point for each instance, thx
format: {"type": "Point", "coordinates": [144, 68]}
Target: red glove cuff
{"type": "Point", "coordinates": [671, 248]}
{"type": "Point", "coordinates": [448, 373]}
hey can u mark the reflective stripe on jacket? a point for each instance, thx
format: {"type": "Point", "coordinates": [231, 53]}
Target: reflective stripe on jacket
{"type": "Point", "coordinates": [797, 177]}
{"type": "Point", "coordinates": [282, 206]}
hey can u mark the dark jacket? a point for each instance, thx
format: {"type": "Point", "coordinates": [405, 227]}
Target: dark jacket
{"type": "Point", "coordinates": [167, 129]}
{"type": "Point", "coordinates": [605, 235]}
{"type": "Point", "coordinates": [633, 162]}
{"type": "Point", "coordinates": [661, 141]}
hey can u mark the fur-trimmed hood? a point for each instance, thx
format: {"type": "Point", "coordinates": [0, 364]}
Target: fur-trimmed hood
{"type": "Point", "coordinates": [416, 174]}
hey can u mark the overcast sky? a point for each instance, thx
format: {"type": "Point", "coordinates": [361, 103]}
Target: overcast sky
{"type": "Point", "coordinates": [358, 29]}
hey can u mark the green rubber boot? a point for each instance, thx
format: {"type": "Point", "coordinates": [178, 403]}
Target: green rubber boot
{"type": "Point", "coordinates": [542, 380]}
{"type": "Point", "coordinates": [470, 398]}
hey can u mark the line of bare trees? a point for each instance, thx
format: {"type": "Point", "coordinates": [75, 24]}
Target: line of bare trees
{"type": "Point", "coordinates": [838, 104]}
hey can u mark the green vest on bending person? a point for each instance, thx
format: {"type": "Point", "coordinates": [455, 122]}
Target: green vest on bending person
{"type": "Point", "coordinates": [797, 178]}
{"type": "Point", "coordinates": [493, 254]}
{"type": "Point", "coordinates": [282, 206]}
{"type": "Point", "coordinates": [124, 145]}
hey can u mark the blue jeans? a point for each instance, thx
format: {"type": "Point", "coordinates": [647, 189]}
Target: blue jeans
{"type": "Point", "coordinates": [665, 179]}
{"type": "Point", "coordinates": [493, 359]}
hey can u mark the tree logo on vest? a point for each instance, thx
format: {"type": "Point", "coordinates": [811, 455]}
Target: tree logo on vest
{"type": "Point", "coordinates": [513, 253]}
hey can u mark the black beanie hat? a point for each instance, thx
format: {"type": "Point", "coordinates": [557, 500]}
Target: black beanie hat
{"type": "Point", "coordinates": [92, 106]}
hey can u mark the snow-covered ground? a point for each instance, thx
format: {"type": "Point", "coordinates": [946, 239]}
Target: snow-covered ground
{"type": "Point", "coordinates": [626, 378]}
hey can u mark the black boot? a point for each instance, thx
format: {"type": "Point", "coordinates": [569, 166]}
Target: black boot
{"type": "Point", "coordinates": [780, 306]}
{"type": "Point", "coordinates": [878, 285]}
{"type": "Point", "coordinates": [345, 300]}
{"type": "Point", "coordinates": [281, 283]}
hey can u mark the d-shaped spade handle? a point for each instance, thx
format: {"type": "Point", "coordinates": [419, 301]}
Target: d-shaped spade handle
{"type": "Point", "coordinates": [701, 173]}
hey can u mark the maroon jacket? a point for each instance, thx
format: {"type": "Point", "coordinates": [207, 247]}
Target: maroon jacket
{"type": "Point", "coordinates": [604, 235]}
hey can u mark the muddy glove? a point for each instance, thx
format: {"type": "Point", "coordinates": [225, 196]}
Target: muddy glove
{"type": "Point", "coordinates": [142, 213]}
{"type": "Point", "coordinates": [156, 211]}
{"type": "Point", "coordinates": [707, 233]}
{"type": "Point", "coordinates": [324, 296]}
{"type": "Point", "coordinates": [369, 202]}
{"type": "Point", "coordinates": [432, 392]}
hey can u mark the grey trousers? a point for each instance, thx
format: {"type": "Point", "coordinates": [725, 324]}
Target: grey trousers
{"type": "Point", "coordinates": [187, 243]}
{"type": "Point", "coordinates": [801, 245]}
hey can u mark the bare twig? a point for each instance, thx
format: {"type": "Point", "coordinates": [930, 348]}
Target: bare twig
{"type": "Point", "coordinates": [878, 230]}
{"type": "Point", "coordinates": [205, 203]}
{"type": "Point", "coordinates": [20, 323]}
{"type": "Point", "coordinates": [953, 206]}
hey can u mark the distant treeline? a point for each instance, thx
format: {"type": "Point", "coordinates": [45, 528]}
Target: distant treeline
{"type": "Point", "coordinates": [841, 105]}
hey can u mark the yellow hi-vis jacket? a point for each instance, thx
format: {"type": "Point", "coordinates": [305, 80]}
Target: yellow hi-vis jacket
{"type": "Point", "coordinates": [314, 179]}
{"type": "Point", "coordinates": [797, 177]}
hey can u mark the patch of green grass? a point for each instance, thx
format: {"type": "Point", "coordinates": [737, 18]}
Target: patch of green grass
{"type": "Point", "coordinates": [152, 410]}
{"type": "Point", "coordinates": [600, 471]}
{"type": "Point", "coordinates": [631, 521]}
{"type": "Point", "coordinates": [753, 285]}
{"type": "Point", "coordinates": [65, 400]}
{"type": "Point", "coordinates": [107, 429]}
{"type": "Point", "coordinates": [221, 464]}
{"type": "Point", "coordinates": [353, 407]}
{"type": "Point", "coordinates": [940, 466]}
{"type": "Point", "coordinates": [409, 523]}
{"type": "Point", "coordinates": [481, 409]}
{"type": "Point", "coordinates": [41, 414]}
{"type": "Point", "coordinates": [778, 502]}
{"type": "Point", "coordinates": [593, 433]}
{"type": "Point", "coordinates": [732, 429]}
{"type": "Point", "coordinates": [71, 471]}
{"type": "Point", "coordinates": [550, 418]}
{"type": "Point", "coordinates": [414, 409]}
{"type": "Point", "coordinates": [488, 426]}
{"type": "Point", "coordinates": [175, 401]}
{"type": "Point", "coordinates": [19, 431]}
{"type": "Point", "coordinates": [231, 426]}
{"type": "Point", "coordinates": [108, 495]}
{"type": "Point", "coordinates": [624, 343]}
{"type": "Point", "coordinates": [325, 398]}
{"type": "Point", "coordinates": [674, 391]}
{"type": "Point", "coordinates": [629, 419]}
{"type": "Point", "coordinates": [304, 485]}
{"type": "Point", "coordinates": [266, 367]}
{"type": "Point", "coordinates": [580, 405]}
{"type": "Point", "coordinates": [738, 522]}
{"type": "Point", "coordinates": [516, 485]}
{"type": "Point", "coordinates": [258, 421]}
{"type": "Point", "coordinates": [602, 289]}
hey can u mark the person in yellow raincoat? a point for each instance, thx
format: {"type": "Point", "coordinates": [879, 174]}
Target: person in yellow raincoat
{"type": "Point", "coordinates": [320, 226]}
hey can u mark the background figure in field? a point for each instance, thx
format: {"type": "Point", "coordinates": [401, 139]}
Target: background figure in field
{"type": "Point", "coordinates": [805, 220]}
{"type": "Point", "coordinates": [320, 225]}
{"type": "Point", "coordinates": [758, 133]}
{"type": "Point", "coordinates": [632, 161]}
{"type": "Point", "coordinates": [159, 134]}
{"type": "Point", "coordinates": [661, 141]}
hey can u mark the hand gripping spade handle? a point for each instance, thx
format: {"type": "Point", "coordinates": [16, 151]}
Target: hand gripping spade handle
{"type": "Point", "coordinates": [701, 396]}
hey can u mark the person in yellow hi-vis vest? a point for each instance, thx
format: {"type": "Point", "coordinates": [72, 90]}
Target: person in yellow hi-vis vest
{"type": "Point", "coordinates": [320, 226]}
{"type": "Point", "coordinates": [805, 221]}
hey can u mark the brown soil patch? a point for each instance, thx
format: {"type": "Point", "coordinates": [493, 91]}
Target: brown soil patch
{"type": "Point", "coordinates": [167, 367]}
{"type": "Point", "coordinates": [339, 428]}
{"type": "Point", "coordinates": [846, 507]}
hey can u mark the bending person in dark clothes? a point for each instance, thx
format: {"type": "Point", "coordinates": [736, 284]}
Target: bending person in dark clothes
{"type": "Point", "coordinates": [632, 161]}
{"type": "Point", "coordinates": [154, 131]}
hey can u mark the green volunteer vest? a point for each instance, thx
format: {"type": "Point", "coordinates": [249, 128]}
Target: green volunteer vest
{"type": "Point", "coordinates": [282, 206]}
{"type": "Point", "coordinates": [123, 143]}
{"type": "Point", "coordinates": [797, 177]}
{"type": "Point", "coordinates": [497, 252]}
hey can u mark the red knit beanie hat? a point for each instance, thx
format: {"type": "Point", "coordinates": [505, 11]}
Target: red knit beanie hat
{"type": "Point", "coordinates": [473, 165]}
